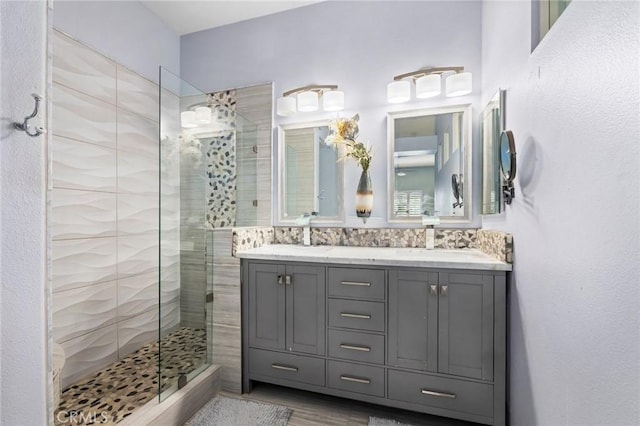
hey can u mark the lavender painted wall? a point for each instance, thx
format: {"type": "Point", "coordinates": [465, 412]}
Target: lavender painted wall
{"type": "Point", "coordinates": [23, 321]}
{"type": "Point", "coordinates": [358, 45]}
{"type": "Point", "coordinates": [573, 106]}
{"type": "Point", "coordinates": [125, 31]}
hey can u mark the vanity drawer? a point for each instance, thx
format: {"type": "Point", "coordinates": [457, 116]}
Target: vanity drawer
{"type": "Point", "coordinates": [357, 283]}
{"type": "Point", "coordinates": [287, 366]}
{"type": "Point", "coordinates": [356, 314]}
{"type": "Point", "coordinates": [441, 392]}
{"type": "Point", "coordinates": [356, 346]}
{"type": "Point", "coordinates": [355, 378]}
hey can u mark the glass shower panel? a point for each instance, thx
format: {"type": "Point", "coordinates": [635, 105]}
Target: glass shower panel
{"type": "Point", "coordinates": [247, 180]}
{"type": "Point", "coordinates": [185, 344]}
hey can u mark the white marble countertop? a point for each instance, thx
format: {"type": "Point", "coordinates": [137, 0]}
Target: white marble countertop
{"type": "Point", "coordinates": [378, 256]}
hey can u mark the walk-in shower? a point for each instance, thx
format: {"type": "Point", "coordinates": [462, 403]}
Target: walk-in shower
{"type": "Point", "coordinates": [135, 196]}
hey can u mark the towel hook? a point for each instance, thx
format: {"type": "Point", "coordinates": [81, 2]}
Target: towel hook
{"type": "Point", "coordinates": [25, 126]}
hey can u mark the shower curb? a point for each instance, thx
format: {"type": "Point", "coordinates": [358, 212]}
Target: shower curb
{"type": "Point", "coordinates": [179, 407]}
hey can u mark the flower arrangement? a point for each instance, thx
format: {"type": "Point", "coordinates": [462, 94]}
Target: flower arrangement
{"type": "Point", "coordinates": [345, 131]}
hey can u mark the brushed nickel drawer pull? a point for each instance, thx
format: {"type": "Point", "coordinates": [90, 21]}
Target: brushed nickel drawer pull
{"type": "Point", "coordinates": [287, 279]}
{"type": "Point", "coordinates": [440, 394]}
{"type": "Point", "coordinates": [284, 367]}
{"type": "Point", "coordinates": [359, 316]}
{"type": "Point", "coordinates": [355, 348]}
{"type": "Point", "coordinates": [355, 379]}
{"type": "Point", "coordinates": [355, 283]}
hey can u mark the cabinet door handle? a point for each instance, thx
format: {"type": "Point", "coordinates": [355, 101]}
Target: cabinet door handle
{"type": "Point", "coordinates": [350, 315]}
{"type": "Point", "coordinates": [359, 284]}
{"type": "Point", "coordinates": [355, 347]}
{"type": "Point", "coordinates": [287, 279]}
{"type": "Point", "coordinates": [439, 394]}
{"type": "Point", "coordinates": [280, 279]}
{"type": "Point", "coordinates": [444, 290]}
{"type": "Point", "coordinates": [284, 367]}
{"type": "Point", "coordinates": [355, 379]}
{"type": "Point", "coordinates": [433, 289]}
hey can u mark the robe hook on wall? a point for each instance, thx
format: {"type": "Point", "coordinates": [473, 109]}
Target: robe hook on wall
{"type": "Point", "coordinates": [25, 126]}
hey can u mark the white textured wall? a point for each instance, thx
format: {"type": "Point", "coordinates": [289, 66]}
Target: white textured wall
{"type": "Point", "coordinates": [359, 46]}
{"type": "Point", "coordinates": [573, 106]}
{"type": "Point", "coordinates": [104, 218]}
{"type": "Point", "coordinates": [125, 31]}
{"type": "Point", "coordinates": [23, 332]}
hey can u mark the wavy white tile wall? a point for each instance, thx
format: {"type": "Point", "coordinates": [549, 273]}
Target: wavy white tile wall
{"type": "Point", "coordinates": [84, 69]}
{"type": "Point", "coordinates": [105, 209]}
{"type": "Point", "coordinates": [84, 166]}
{"type": "Point", "coordinates": [82, 117]}
{"type": "Point", "coordinates": [89, 352]}
{"type": "Point", "coordinates": [78, 263]}
{"type": "Point", "coordinates": [83, 214]}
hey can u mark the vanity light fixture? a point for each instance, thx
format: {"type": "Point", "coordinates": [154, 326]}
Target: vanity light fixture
{"type": "Point", "coordinates": [428, 83]}
{"type": "Point", "coordinates": [196, 115]}
{"type": "Point", "coordinates": [203, 115]}
{"type": "Point", "coordinates": [188, 119]}
{"type": "Point", "coordinates": [306, 99]}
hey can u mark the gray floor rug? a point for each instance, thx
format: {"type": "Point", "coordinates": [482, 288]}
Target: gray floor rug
{"type": "Point", "coordinates": [222, 411]}
{"type": "Point", "coordinates": [378, 421]}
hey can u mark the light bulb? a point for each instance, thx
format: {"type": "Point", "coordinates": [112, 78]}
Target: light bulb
{"type": "Point", "coordinates": [203, 115]}
{"type": "Point", "coordinates": [459, 84]}
{"type": "Point", "coordinates": [188, 119]}
{"type": "Point", "coordinates": [307, 101]}
{"type": "Point", "coordinates": [398, 91]}
{"type": "Point", "coordinates": [286, 106]}
{"type": "Point", "coordinates": [428, 86]}
{"type": "Point", "coordinates": [333, 100]}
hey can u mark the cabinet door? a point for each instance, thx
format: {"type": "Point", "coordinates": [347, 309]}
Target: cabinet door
{"type": "Point", "coordinates": [413, 316]}
{"type": "Point", "coordinates": [465, 339]}
{"type": "Point", "coordinates": [306, 309]}
{"type": "Point", "coordinates": [266, 306]}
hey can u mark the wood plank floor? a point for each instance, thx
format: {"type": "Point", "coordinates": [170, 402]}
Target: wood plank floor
{"type": "Point", "coordinates": [311, 409]}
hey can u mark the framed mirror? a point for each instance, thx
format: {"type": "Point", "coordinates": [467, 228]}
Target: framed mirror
{"type": "Point", "coordinates": [492, 121]}
{"type": "Point", "coordinates": [429, 164]}
{"type": "Point", "coordinates": [310, 175]}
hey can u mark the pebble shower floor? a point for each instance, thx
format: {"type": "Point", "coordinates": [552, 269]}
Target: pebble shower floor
{"type": "Point", "coordinates": [113, 393]}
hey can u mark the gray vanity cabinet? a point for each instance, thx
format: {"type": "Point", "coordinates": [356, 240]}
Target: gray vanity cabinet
{"type": "Point", "coordinates": [454, 315]}
{"type": "Point", "coordinates": [413, 320]}
{"type": "Point", "coordinates": [465, 325]}
{"type": "Point", "coordinates": [286, 309]}
{"type": "Point", "coordinates": [423, 339]}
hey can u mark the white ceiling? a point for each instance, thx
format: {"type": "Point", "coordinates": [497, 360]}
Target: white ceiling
{"type": "Point", "coordinates": [187, 16]}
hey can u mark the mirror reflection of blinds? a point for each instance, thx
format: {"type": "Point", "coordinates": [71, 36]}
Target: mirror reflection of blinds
{"type": "Point", "coordinates": [407, 203]}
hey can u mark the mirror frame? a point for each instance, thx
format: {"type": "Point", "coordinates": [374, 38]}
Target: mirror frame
{"type": "Point", "coordinates": [289, 220]}
{"type": "Point", "coordinates": [497, 102]}
{"type": "Point", "coordinates": [466, 172]}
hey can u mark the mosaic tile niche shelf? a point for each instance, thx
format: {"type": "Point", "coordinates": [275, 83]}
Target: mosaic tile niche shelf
{"type": "Point", "coordinates": [115, 392]}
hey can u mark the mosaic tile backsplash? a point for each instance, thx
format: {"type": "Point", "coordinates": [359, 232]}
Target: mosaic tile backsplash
{"type": "Point", "coordinates": [494, 243]}
{"type": "Point", "coordinates": [377, 237]}
{"type": "Point", "coordinates": [253, 237]}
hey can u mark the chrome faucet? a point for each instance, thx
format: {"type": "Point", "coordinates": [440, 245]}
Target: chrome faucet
{"type": "Point", "coordinates": [305, 221]}
{"type": "Point", "coordinates": [429, 221]}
